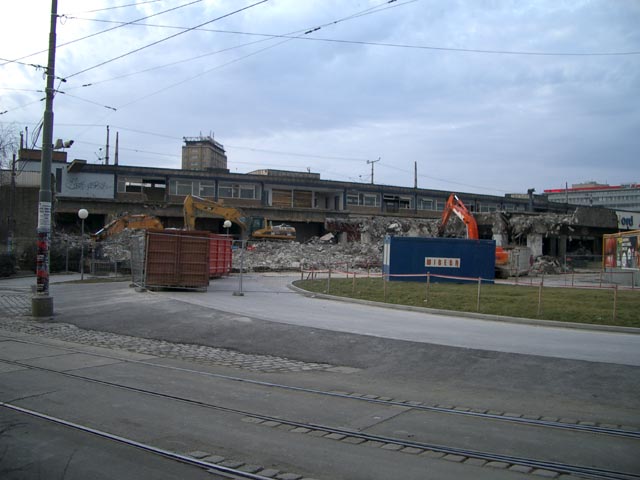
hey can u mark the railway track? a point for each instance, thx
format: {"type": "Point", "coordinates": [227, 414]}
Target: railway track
{"type": "Point", "coordinates": [575, 425]}
{"type": "Point", "coordinates": [525, 464]}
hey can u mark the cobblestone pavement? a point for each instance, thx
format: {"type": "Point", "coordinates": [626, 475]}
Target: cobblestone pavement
{"type": "Point", "coordinates": [15, 310]}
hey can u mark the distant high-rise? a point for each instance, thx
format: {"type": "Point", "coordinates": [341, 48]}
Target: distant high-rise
{"type": "Point", "coordinates": [203, 153]}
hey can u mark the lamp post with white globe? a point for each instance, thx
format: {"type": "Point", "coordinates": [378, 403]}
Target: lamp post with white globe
{"type": "Point", "coordinates": [82, 213]}
{"type": "Point", "coordinates": [227, 225]}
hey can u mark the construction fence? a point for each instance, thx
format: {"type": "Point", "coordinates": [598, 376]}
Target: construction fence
{"type": "Point", "coordinates": [585, 297]}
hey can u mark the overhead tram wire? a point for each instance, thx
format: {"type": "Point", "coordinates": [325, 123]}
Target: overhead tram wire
{"type": "Point", "coordinates": [167, 38]}
{"type": "Point", "coordinates": [303, 32]}
{"type": "Point", "coordinates": [292, 35]}
{"type": "Point", "coordinates": [295, 36]}
{"type": "Point", "coordinates": [121, 6]}
{"type": "Point", "coordinates": [101, 32]}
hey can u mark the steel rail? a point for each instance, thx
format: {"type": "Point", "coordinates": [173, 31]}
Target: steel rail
{"type": "Point", "coordinates": [593, 429]}
{"type": "Point", "coordinates": [590, 472]}
{"type": "Point", "coordinates": [142, 446]}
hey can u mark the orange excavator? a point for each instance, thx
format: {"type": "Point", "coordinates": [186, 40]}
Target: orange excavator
{"type": "Point", "coordinates": [454, 205]}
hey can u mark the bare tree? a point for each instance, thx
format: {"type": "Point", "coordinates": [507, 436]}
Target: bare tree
{"type": "Point", "coordinates": [9, 143]}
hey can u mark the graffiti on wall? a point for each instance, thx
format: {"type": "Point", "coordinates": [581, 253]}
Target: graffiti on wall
{"type": "Point", "coordinates": [88, 185]}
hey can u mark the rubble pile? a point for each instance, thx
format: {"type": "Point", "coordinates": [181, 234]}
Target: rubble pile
{"type": "Point", "coordinates": [116, 248]}
{"type": "Point", "coordinates": [314, 255]}
{"type": "Point", "coordinates": [546, 223]}
{"type": "Point", "coordinates": [546, 265]}
{"type": "Point", "coordinates": [374, 229]}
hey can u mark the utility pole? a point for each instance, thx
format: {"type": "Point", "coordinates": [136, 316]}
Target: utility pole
{"type": "Point", "coordinates": [115, 160]}
{"type": "Point", "coordinates": [42, 303]}
{"type": "Point", "coordinates": [106, 158]}
{"type": "Point", "coordinates": [12, 202]}
{"type": "Point", "coordinates": [372, 162]}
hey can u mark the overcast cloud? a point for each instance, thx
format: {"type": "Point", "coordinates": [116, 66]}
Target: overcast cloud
{"type": "Point", "coordinates": [474, 122]}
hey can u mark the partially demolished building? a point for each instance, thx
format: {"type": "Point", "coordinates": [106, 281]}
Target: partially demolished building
{"type": "Point", "coordinates": [353, 212]}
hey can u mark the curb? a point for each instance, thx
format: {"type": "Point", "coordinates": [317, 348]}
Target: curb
{"type": "Point", "coordinates": [478, 316]}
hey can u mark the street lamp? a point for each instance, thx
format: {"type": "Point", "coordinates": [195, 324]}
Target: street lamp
{"type": "Point", "coordinates": [82, 213]}
{"type": "Point", "coordinates": [227, 225]}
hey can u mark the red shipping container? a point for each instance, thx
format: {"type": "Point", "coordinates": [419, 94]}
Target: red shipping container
{"type": "Point", "coordinates": [220, 255]}
{"type": "Point", "coordinates": [177, 259]}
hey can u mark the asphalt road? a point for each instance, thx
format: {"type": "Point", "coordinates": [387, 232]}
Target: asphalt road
{"type": "Point", "coordinates": [274, 335]}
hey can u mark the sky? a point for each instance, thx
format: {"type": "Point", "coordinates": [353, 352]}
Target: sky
{"type": "Point", "coordinates": [483, 96]}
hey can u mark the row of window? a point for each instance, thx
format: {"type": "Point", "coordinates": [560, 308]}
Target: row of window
{"type": "Point", "coordinates": [199, 188]}
{"type": "Point", "coordinates": [203, 188]}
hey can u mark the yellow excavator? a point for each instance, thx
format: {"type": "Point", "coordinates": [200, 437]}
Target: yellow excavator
{"type": "Point", "coordinates": [132, 222]}
{"type": "Point", "coordinates": [259, 228]}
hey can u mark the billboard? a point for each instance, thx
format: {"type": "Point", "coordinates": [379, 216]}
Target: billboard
{"type": "Point", "coordinates": [621, 250]}
{"type": "Point", "coordinates": [628, 220]}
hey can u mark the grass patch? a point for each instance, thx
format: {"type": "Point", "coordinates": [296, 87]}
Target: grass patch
{"type": "Point", "coordinates": [562, 304]}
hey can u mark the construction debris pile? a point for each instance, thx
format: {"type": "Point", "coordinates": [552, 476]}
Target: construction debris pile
{"type": "Point", "coordinates": [313, 255]}
{"type": "Point", "coordinates": [357, 243]}
{"type": "Point", "coordinates": [545, 265]}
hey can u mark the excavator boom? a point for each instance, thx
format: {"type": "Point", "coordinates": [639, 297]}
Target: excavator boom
{"type": "Point", "coordinates": [193, 206]}
{"type": "Point", "coordinates": [454, 205]}
{"type": "Point", "coordinates": [131, 222]}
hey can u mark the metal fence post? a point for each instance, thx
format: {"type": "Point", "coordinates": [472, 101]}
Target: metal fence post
{"type": "Point", "coordinates": [353, 286]}
{"type": "Point", "coordinates": [240, 292]}
{"type": "Point", "coordinates": [540, 295]}
{"type": "Point", "coordinates": [329, 281]}
{"type": "Point", "coordinates": [478, 300]}
{"type": "Point", "coordinates": [384, 287]}
{"type": "Point", "coordinates": [615, 300]}
{"type": "Point", "coordinates": [426, 300]}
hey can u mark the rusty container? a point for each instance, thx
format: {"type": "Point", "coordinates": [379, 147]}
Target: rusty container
{"type": "Point", "coordinates": [220, 255]}
{"type": "Point", "coordinates": [177, 259]}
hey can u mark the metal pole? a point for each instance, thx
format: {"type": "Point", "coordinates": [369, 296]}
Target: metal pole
{"type": "Point", "coordinates": [42, 303]}
{"type": "Point", "coordinates": [12, 196]}
{"type": "Point", "coordinates": [240, 293]}
{"type": "Point", "coordinates": [478, 299]}
{"type": "Point", "coordinates": [82, 252]}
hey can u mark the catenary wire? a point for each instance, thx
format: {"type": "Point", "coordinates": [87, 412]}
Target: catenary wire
{"type": "Point", "coordinates": [121, 6]}
{"type": "Point", "coordinates": [101, 32]}
{"type": "Point", "coordinates": [136, 50]}
{"type": "Point", "coordinates": [305, 32]}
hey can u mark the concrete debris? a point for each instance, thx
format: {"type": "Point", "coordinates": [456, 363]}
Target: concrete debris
{"type": "Point", "coordinates": [327, 238]}
{"type": "Point", "coordinates": [357, 243]}
{"type": "Point", "coordinates": [522, 224]}
{"type": "Point", "coordinates": [116, 248]}
{"type": "Point", "coordinates": [315, 255]}
{"type": "Point", "coordinates": [546, 265]}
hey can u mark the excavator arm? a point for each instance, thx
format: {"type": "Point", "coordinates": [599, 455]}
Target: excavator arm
{"type": "Point", "coordinates": [194, 206]}
{"type": "Point", "coordinates": [131, 222]}
{"type": "Point", "coordinates": [454, 205]}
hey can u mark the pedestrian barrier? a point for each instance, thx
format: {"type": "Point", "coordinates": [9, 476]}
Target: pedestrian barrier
{"type": "Point", "coordinates": [559, 297]}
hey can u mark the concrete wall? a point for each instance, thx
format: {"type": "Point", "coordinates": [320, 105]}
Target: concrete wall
{"type": "Point", "coordinates": [85, 185]}
{"type": "Point", "coordinates": [534, 242]}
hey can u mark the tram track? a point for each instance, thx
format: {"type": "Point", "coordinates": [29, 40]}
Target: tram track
{"type": "Point", "coordinates": [487, 456]}
{"type": "Point", "coordinates": [578, 426]}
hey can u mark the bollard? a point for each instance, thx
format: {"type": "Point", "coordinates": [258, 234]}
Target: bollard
{"type": "Point", "coordinates": [353, 287]}
{"type": "Point", "coordinates": [615, 300]}
{"type": "Point", "coordinates": [478, 300]}
{"type": "Point", "coordinates": [329, 281]}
